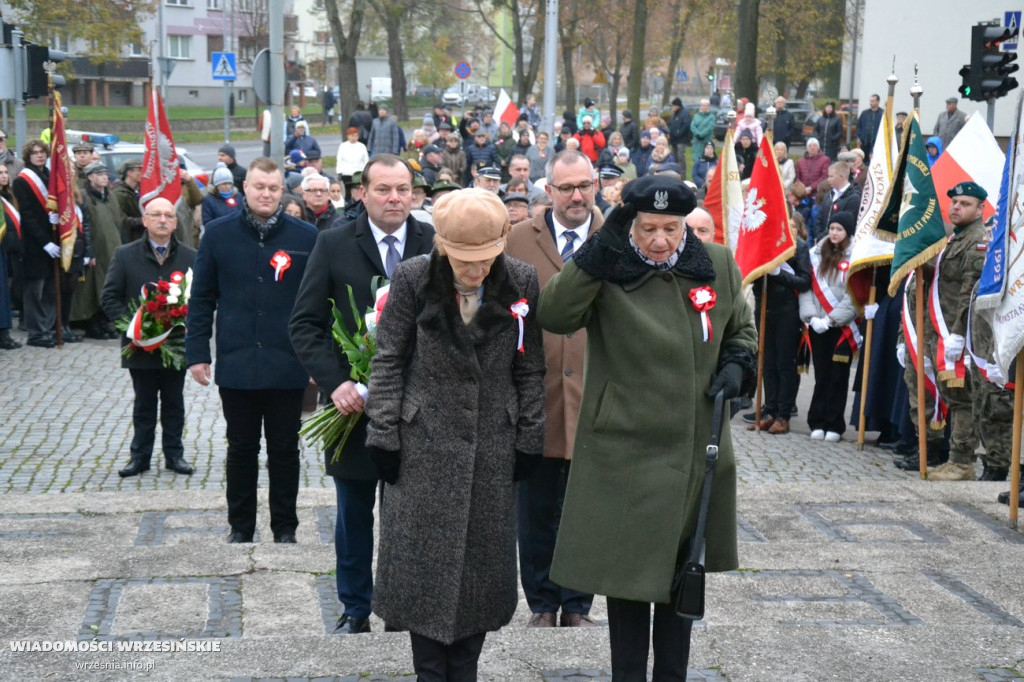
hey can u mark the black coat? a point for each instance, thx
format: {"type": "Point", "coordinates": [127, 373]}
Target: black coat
{"type": "Point", "coordinates": [679, 127]}
{"type": "Point", "coordinates": [630, 135]}
{"type": "Point", "coordinates": [784, 287]}
{"type": "Point", "coordinates": [134, 265]}
{"type": "Point", "coordinates": [784, 127]}
{"type": "Point", "coordinates": [234, 278]}
{"type": "Point", "coordinates": [848, 201]}
{"type": "Point", "coordinates": [344, 256]}
{"type": "Point", "coordinates": [36, 230]}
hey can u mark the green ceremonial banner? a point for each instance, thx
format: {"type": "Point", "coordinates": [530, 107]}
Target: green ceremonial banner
{"type": "Point", "coordinates": [920, 234]}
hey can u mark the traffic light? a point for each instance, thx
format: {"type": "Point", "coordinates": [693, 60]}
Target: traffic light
{"type": "Point", "coordinates": [989, 73]}
{"type": "Point", "coordinates": [965, 82]}
{"type": "Point", "coordinates": [711, 75]}
{"type": "Point", "coordinates": [35, 78]}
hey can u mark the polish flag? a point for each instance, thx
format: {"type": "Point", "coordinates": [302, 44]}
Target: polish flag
{"type": "Point", "coordinates": [160, 171]}
{"type": "Point", "coordinates": [505, 110]}
{"type": "Point", "coordinates": [972, 155]}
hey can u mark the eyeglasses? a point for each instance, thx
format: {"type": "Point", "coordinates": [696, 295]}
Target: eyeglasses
{"type": "Point", "coordinates": [567, 190]}
{"type": "Point", "coordinates": [315, 191]}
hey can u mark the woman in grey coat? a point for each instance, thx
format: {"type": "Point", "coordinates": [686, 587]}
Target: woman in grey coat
{"type": "Point", "coordinates": [456, 409]}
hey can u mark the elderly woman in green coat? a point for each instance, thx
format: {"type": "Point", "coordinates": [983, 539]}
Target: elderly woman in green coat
{"type": "Point", "coordinates": [667, 328]}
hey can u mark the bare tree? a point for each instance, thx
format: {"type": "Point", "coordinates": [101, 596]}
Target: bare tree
{"type": "Point", "coordinates": [636, 60]}
{"type": "Point", "coordinates": [609, 46]}
{"type": "Point", "coordinates": [391, 13]}
{"type": "Point", "coordinates": [346, 45]}
{"type": "Point", "coordinates": [526, 21]}
{"type": "Point", "coordinates": [746, 58]}
{"type": "Point", "coordinates": [682, 15]}
{"type": "Point", "coordinates": [570, 37]}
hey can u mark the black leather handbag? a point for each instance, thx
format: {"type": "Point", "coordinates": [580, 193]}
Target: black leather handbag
{"type": "Point", "coordinates": [688, 583]}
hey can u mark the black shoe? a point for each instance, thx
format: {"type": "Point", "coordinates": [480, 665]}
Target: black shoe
{"type": "Point", "coordinates": [351, 626]}
{"type": "Point", "coordinates": [237, 537]}
{"type": "Point", "coordinates": [135, 467]}
{"type": "Point", "coordinates": [748, 418]}
{"type": "Point", "coordinates": [42, 342]}
{"type": "Point", "coordinates": [69, 336]}
{"type": "Point", "coordinates": [285, 539]}
{"type": "Point", "coordinates": [6, 342]}
{"type": "Point", "coordinates": [178, 465]}
{"type": "Point", "coordinates": [794, 412]}
{"type": "Point", "coordinates": [1004, 497]}
{"type": "Point", "coordinates": [993, 474]}
{"type": "Point", "coordinates": [911, 462]}
{"type": "Point", "coordinates": [905, 447]}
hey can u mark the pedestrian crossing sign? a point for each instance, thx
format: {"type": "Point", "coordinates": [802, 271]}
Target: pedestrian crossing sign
{"type": "Point", "coordinates": [223, 66]}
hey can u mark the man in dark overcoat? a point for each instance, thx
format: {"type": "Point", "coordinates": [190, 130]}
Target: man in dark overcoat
{"type": "Point", "coordinates": [247, 271]}
{"type": "Point", "coordinates": [144, 262]}
{"type": "Point", "coordinates": [352, 255]}
{"type": "Point", "coordinates": [547, 241]}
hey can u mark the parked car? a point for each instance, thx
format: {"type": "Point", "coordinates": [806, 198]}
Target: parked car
{"type": "Point", "coordinates": [425, 91]}
{"type": "Point", "coordinates": [113, 153]}
{"type": "Point", "coordinates": [812, 120]}
{"type": "Point", "coordinates": [453, 96]}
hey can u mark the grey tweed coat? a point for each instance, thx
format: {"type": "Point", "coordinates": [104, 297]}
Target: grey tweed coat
{"type": "Point", "coordinates": [457, 400]}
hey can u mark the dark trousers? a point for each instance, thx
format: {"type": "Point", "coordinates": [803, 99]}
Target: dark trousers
{"type": "Point", "coordinates": [277, 414]}
{"type": "Point", "coordinates": [540, 512]}
{"type": "Point", "coordinates": [353, 544]}
{"type": "Point", "coordinates": [629, 631]}
{"type": "Point", "coordinates": [831, 383]}
{"type": "Point", "coordinates": [40, 307]}
{"type": "Point", "coordinates": [781, 339]}
{"type": "Point", "coordinates": [434, 661]}
{"type": "Point", "coordinates": [155, 388]}
{"type": "Point", "coordinates": [5, 294]}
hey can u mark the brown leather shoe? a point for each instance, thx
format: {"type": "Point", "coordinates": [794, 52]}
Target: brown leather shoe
{"type": "Point", "coordinates": [541, 620]}
{"type": "Point", "coordinates": [576, 620]}
{"type": "Point", "coordinates": [766, 423]}
{"type": "Point", "coordinates": [779, 427]}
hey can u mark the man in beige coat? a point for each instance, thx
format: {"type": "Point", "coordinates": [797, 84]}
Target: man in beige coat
{"type": "Point", "coordinates": [546, 242]}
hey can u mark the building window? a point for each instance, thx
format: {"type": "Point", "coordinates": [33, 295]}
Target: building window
{"type": "Point", "coordinates": [242, 99]}
{"type": "Point", "coordinates": [322, 37]}
{"type": "Point", "coordinates": [59, 42]}
{"type": "Point", "coordinates": [136, 50]}
{"type": "Point", "coordinates": [179, 47]}
{"type": "Point", "coordinates": [213, 44]}
{"type": "Point", "coordinates": [214, 5]}
{"type": "Point", "coordinates": [178, 3]}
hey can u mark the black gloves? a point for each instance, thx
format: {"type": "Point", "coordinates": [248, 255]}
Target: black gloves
{"type": "Point", "coordinates": [729, 380]}
{"type": "Point", "coordinates": [387, 463]}
{"type": "Point", "coordinates": [615, 230]}
{"type": "Point", "coordinates": [525, 465]}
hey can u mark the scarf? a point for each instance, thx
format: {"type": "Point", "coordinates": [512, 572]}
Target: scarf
{"type": "Point", "coordinates": [469, 300]}
{"type": "Point", "coordinates": [663, 266]}
{"type": "Point", "coordinates": [262, 227]}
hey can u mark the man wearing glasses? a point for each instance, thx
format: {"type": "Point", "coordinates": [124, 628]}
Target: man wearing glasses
{"type": "Point", "coordinates": [151, 258]}
{"type": "Point", "coordinates": [546, 242]}
{"type": "Point", "coordinates": [248, 270]}
{"type": "Point", "coordinates": [319, 209]}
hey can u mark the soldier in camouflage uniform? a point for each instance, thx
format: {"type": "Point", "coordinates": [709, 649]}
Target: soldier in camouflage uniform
{"type": "Point", "coordinates": [993, 402]}
{"type": "Point", "coordinates": [959, 269]}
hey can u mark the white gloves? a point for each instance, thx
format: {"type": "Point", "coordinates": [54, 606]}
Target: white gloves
{"type": "Point", "coordinates": [819, 324]}
{"type": "Point", "coordinates": [995, 375]}
{"type": "Point", "coordinates": [901, 354]}
{"type": "Point", "coordinates": [954, 347]}
{"type": "Point", "coordinates": [52, 250]}
{"type": "Point", "coordinates": [786, 267]}
{"type": "Point", "coordinates": [54, 219]}
{"type": "Point", "coordinates": [776, 270]}
{"type": "Point", "coordinates": [870, 310]}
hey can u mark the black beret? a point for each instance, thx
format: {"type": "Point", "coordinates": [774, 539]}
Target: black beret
{"type": "Point", "coordinates": [967, 189]}
{"type": "Point", "coordinates": [659, 194]}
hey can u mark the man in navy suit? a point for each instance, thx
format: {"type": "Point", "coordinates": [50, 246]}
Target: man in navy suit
{"type": "Point", "coordinates": [352, 255]}
{"type": "Point", "coordinates": [248, 270]}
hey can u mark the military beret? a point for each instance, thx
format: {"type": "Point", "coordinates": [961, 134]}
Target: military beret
{"type": "Point", "coordinates": [418, 180]}
{"type": "Point", "coordinates": [83, 147]}
{"type": "Point", "coordinates": [94, 167]}
{"type": "Point", "coordinates": [967, 189]}
{"type": "Point", "coordinates": [659, 194]}
{"type": "Point", "coordinates": [444, 186]}
{"type": "Point", "coordinates": [129, 165]}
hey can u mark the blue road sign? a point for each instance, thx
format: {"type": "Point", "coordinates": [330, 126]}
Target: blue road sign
{"type": "Point", "coordinates": [462, 70]}
{"type": "Point", "coordinates": [223, 64]}
{"type": "Point", "coordinates": [682, 76]}
{"type": "Point", "coordinates": [1011, 20]}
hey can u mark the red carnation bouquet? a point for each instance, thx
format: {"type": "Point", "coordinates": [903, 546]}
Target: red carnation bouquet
{"type": "Point", "coordinates": [158, 324]}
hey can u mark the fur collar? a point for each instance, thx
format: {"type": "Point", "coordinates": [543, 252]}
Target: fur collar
{"type": "Point", "coordinates": [621, 266]}
{"type": "Point", "coordinates": [440, 311]}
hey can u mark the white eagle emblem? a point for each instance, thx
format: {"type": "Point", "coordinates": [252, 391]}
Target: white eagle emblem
{"type": "Point", "coordinates": [753, 216]}
{"type": "Point", "coordinates": [661, 199]}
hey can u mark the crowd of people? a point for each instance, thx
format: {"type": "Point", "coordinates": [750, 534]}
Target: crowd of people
{"type": "Point", "coordinates": [512, 256]}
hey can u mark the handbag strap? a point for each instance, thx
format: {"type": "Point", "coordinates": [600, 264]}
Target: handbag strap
{"type": "Point", "coordinates": [711, 459]}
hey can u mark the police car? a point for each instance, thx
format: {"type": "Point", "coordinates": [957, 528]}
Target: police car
{"type": "Point", "coordinates": [113, 153]}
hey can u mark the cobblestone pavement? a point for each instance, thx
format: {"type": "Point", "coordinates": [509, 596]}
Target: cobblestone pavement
{"type": "Point", "coordinates": [850, 569]}
{"type": "Point", "coordinates": [67, 428]}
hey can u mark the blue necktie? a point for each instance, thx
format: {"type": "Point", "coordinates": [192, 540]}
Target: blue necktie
{"type": "Point", "coordinates": [161, 251]}
{"type": "Point", "coordinates": [567, 250]}
{"type": "Point", "coordinates": [391, 261]}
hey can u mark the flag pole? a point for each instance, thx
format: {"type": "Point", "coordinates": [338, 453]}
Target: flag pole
{"type": "Point", "coordinates": [866, 364]}
{"type": "Point", "coordinates": [760, 352]}
{"type": "Point", "coordinates": [49, 67]}
{"type": "Point", "coordinates": [1018, 405]}
{"type": "Point", "coordinates": [922, 437]}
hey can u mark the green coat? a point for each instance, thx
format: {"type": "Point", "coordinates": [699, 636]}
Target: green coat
{"type": "Point", "coordinates": [638, 464]}
{"type": "Point", "coordinates": [107, 223]}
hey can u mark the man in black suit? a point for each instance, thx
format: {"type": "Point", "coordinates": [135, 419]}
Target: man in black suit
{"type": "Point", "coordinates": [352, 254]}
{"type": "Point", "coordinates": [153, 257]}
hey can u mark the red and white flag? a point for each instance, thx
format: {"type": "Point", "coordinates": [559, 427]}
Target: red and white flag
{"type": "Point", "coordinates": [973, 155]}
{"type": "Point", "coordinates": [765, 238]}
{"type": "Point", "coordinates": [724, 198]}
{"type": "Point", "coordinates": [160, 171]}
{"type": "Point", "coordinates": [61, 198]}
{"type": "Point", "coordinates": [505, 110]}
